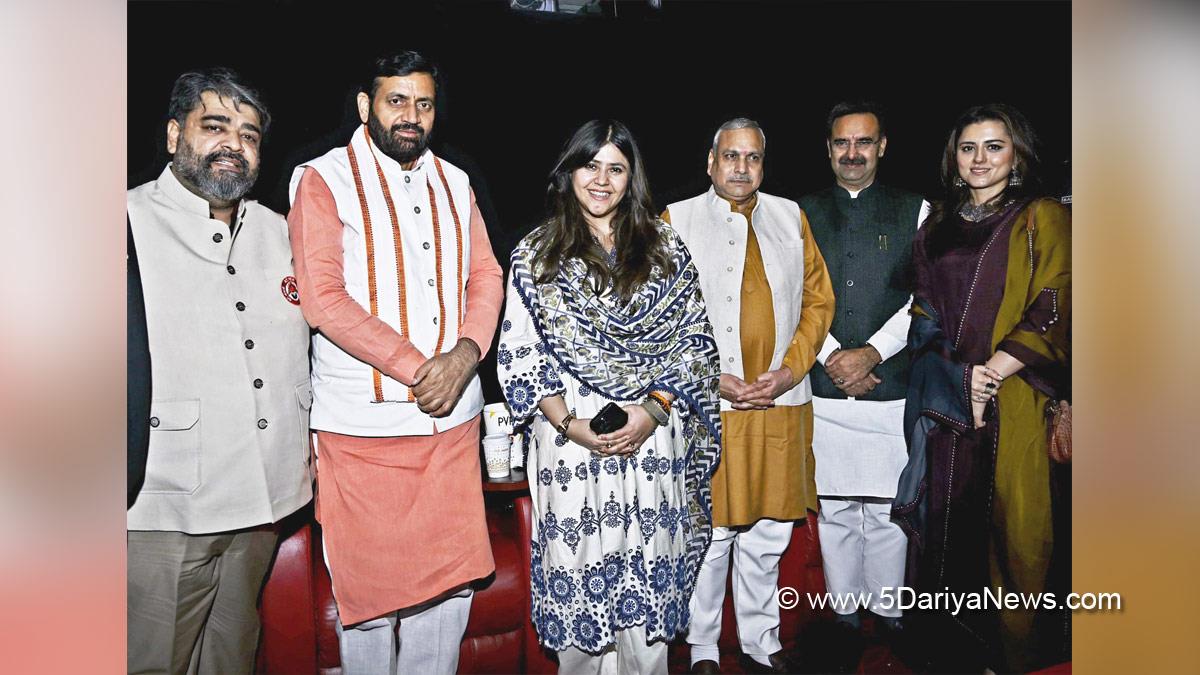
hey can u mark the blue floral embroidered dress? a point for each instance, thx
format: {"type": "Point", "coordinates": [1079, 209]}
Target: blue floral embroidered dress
{"type": "Point", "coordinates": [617, 541]}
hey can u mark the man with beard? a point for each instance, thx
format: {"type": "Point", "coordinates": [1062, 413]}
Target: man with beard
{"type": "Point", "coordinates": [399, 280]}
{"type": "Point", "coordinates": [770, 304]}
{"type": "Point", "coordinates": [229, 445]}
{"type": "Point", "coordinates": [861, 377]}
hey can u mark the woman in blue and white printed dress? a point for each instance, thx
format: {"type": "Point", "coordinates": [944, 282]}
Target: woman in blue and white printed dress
{"type": "Point", "coordinates": [604, 305]}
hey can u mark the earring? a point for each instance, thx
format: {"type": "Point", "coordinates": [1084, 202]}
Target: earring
{"type": "Point", "coordinates": [959, 182]}
{"type": "Point", "coordinates": [1014, 178]}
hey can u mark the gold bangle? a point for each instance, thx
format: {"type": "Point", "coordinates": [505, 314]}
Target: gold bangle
{"type": "Point", "coordinates": [565, 423]}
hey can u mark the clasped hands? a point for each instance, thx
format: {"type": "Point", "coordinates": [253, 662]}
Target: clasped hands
{"type": "Point", "coordinates": [759, 394]}
{"type": "Point", "coordinates": [850, 370]}
{"type": "Point", "coordinates": [439, 381]}
{"type": "Point", "coordinates": [623, 441]}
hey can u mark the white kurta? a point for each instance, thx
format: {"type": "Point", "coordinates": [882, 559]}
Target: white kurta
{"type": "Point", "coordinates": [859, 445]}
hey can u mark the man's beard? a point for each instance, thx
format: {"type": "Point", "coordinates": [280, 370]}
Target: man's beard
{"type": "Point", "coordinates": [216, 184]}
{"type": "Point", "coordinates": [403, 150]}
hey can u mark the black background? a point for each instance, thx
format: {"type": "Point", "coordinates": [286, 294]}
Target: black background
{"type": "Point", "coordinates": [516, 84]}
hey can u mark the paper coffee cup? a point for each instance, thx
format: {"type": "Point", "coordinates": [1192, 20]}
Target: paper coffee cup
{"type": "Point", "coordinates": [496, 419]}
{"type": "Point", "coordinates": [495, 454]}
{"type": "Point", "coordinates": [516, 454]}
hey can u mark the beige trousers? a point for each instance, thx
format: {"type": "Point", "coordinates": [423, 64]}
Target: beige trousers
{"type": "Point", "coordinates": [191, 600]}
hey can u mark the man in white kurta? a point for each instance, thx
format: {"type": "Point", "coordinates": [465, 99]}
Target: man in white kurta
{"type": "Point", "coordinates": [860, 382]}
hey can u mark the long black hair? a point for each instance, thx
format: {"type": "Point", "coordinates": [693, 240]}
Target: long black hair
{"type": "Point", "coordinates": [565, 234]}
{"type": "Point", "coordinates": [1026, 163]}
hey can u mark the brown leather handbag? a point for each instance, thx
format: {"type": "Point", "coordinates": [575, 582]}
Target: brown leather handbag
{"type": "Point", "coordinates": [1058, 431]}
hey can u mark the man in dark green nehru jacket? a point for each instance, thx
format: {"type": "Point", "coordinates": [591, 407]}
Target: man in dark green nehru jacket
{"type": "Point", "coordinates": [860, 379]}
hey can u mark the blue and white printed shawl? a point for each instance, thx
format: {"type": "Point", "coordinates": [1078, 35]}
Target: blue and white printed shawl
{"type": "Point", "coordinates": [661, 340]}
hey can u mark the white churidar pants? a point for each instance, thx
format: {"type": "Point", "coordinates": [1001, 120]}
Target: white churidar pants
{"type": "Point", "coordinates": [755, 552]}
{"type": "Point", "coordinates": [427, 642]}
{"type": "Point", "coordinates": [863, 551]}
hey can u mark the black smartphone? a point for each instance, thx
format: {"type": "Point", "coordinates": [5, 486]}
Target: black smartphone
{"type": "Point", "coordinates": [610, 418]}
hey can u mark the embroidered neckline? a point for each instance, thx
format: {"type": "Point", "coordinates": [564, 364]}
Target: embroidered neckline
{"type": "Point", "coordinates": [973, 214]}
{"type": "Point", "coordinates": [610, 256]}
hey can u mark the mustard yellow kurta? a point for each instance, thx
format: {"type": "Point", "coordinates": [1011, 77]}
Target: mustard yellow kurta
{"type": "Point", "coordinates": [767, 468]}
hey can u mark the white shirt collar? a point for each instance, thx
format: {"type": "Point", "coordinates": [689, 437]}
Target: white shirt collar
{"type": "Point", "coordinates": [854, 193]}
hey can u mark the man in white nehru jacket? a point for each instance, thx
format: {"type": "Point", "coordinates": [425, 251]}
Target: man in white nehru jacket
{"type": "Point", "coordinates": [229, 445]}
{"type": "Point", "coordinates": [399, 280]}
{"type": "Point", "coordinates": [770, 304]}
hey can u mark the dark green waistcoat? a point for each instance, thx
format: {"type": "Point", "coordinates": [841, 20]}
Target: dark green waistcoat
{"type": "Point", "coordinates": [867, 245]}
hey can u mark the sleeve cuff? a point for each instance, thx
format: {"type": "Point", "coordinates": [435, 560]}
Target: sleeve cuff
{"type": "Point", "coordinates": [483, 344]}
{"type": "Point", "coordinates": [407, 360]}
{"type": "Point", "coordinates": [1022, 353]}
{"type": "Point", "coordinates": [831, 345]}
{"type": "Point", "coordinates": [799, 360]}
{"type": "Point", "coordinates": [886, 345]}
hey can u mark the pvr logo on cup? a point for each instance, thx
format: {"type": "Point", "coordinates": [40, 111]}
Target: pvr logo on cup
{"type": "Point", "coordinates": [498, 441]}
{"type": "Point", "coordinates": [496, 419]}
